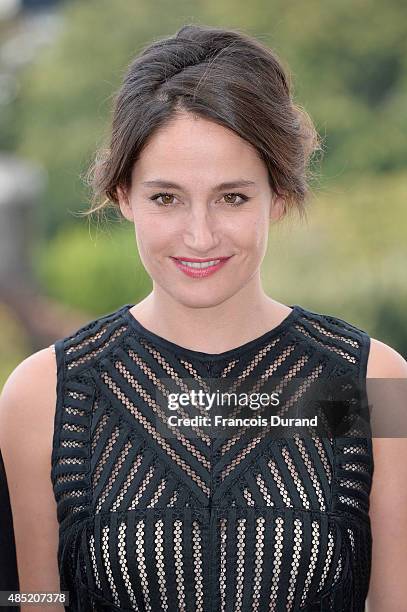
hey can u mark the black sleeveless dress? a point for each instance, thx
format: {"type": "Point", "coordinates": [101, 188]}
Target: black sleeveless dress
{"type": "Point", "coordinates": [157, 520]}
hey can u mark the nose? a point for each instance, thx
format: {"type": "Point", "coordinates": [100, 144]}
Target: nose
{"type": "Point", "coordinates": [201, 231]}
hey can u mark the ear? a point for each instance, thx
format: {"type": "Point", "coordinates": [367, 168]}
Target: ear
{"type": "Point", "coordinates": [124, 203]}
{"type": "Point", "coordinates": [277, 208]}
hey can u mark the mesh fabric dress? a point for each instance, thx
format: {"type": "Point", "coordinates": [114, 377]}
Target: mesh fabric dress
{"type": "Point", "coordinates": [157, 522]}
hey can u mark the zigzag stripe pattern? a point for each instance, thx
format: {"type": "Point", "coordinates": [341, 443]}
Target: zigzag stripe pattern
{"type": "Point", "coordinates": [159, 518]}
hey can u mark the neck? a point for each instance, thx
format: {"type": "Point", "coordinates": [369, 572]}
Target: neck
{"type": "Point", "coordinates": [211, 329]}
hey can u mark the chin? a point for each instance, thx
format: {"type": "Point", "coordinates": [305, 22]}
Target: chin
{"type": "Point", "coordinates": [201, 299]}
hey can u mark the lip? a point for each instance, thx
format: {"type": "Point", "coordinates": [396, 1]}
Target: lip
{"type": "Point", "coordinates": [196, 272]}
{"type": "Point", "coordinates": [196, 260]}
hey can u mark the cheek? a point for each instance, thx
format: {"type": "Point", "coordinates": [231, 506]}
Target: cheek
{"type": "Point", "coordinates": [262, 228]}
{"type": "Point", "coordinates": [261, 233]}
{"type": "Point", "coordinates": [252, 233]}
{"type": "Point", "coordinates": [151, 234]}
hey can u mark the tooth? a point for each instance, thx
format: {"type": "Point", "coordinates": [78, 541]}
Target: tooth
{"type": "Point", "coordinates": [206, 264]}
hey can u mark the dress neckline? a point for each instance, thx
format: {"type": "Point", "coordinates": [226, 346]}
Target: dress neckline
{"type": "Point", "coordinates": [238, 350]}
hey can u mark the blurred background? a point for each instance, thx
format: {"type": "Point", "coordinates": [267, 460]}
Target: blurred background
{"type": "Point", "coordinates": [60, 64]}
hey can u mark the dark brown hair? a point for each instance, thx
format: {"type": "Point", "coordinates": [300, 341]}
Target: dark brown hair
{"type": "Point", "coordinates": [222, 75]}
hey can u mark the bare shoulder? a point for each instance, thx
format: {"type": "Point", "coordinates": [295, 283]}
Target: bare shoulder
{"type": "Point", "coordinates": [27, 412]}
{"type": "Point", "coordinates": [27, 405]}
{"type": "Point", "coordinates": [385, 362]}
{"type": "Point", "coordinates": [388, 498]}
{"type": "Point", "coordinates": [387, 398]}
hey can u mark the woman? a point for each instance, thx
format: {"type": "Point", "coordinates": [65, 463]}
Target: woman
{"type": "Point", "coordinates": [207, 151]}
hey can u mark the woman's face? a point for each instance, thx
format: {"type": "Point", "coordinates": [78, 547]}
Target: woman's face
{"type": "Point", "coordinates": [199, 191]}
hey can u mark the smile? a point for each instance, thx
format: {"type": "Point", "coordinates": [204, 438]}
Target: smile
{"type": "Point", "coordinates": [199, 269]}
{"type": "Point", "coordinates": [203, 264]}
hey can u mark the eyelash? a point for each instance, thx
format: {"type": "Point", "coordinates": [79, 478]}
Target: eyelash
{"type": "Point", "coordinates": [241, 195]}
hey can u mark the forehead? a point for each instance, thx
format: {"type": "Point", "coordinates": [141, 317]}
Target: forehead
{"type": "Point", "coordinates": [196, 148]}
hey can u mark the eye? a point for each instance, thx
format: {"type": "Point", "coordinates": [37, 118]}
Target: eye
{"type": "Point", "coordinates": [162, 195]}
{"type": "Point", "coordinates": [166, 196]}
{"type": "Point", "coordinates": [243, 197]}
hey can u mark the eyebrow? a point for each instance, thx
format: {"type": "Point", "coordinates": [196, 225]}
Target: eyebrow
{"type": "Point", "coordinates": [226, 185]}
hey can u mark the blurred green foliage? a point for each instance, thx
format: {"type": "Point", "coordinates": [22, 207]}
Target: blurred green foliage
{"type": "Point", "coordinates": [348, 60]}
{"type": "Point", "coordinates": [90, 270]}
{"type": "Point", "coordinates": [14, 345]}
{"type": "Point", "coordinates": [350, 258]}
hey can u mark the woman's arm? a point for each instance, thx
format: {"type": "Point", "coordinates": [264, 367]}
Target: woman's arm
{"type": "Point", "coordinates": [27, 410]}
{"type": "Point", "coordinates": [388, 500]}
